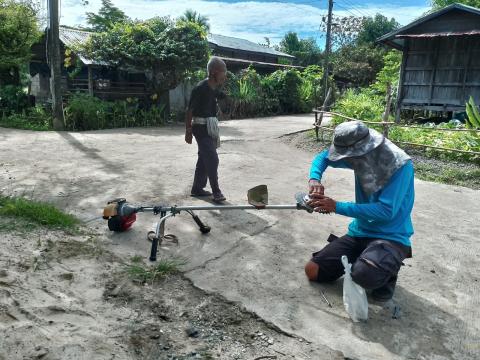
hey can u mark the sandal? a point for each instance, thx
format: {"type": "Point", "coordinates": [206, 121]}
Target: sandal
{"type": "Point", "coordinates": [200, 193]}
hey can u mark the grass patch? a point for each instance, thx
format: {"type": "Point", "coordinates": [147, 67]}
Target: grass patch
{"type": "Point", "coordinates": [136, 259]}
{"type": "Point", "coordinates": [448, 175]}
{"type": "Point", "coordinates": [143, 274]}
{"type": "Point", "coordinates": [34, 121]}
{"type": "Point", "coordinates": [39, 213]}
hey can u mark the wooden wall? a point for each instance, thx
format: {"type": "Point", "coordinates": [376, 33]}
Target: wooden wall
{"type": "Point", "coordinates": [440, 73]}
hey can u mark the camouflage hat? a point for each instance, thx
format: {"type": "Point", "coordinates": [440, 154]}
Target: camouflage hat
{"type": "Point", "coordinates": [353, 138]}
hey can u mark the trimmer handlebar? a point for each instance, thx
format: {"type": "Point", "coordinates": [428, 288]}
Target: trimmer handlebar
{"type": "Point", "coordinates": [301, 199]}
{"type": "Point", "coordinates": [121, 215]}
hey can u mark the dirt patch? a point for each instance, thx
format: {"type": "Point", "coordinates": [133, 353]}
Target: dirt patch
{"type": "Point", "coordinates": [175, 320]}
{"type": "Point", "coordinates": [65, 296]}
{"type": "Point", "coordinates": [430, 169]}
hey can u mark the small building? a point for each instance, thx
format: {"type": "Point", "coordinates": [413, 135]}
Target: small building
{"type": "Point", "coordinates": [240, 53]}
{"type": "Point", "coordinates": [93, 77]}
{"type": "Point", "coordinates": [110, 83]}
{"type": "Point", "coordinates": [441, 60]}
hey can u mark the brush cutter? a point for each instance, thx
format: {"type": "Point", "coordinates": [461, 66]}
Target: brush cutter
{"type": "Point", "coordinates": [121, 215]}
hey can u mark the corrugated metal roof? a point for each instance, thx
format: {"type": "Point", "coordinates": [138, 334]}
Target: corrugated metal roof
{"type": "Point", "coordinates": [242, 44]}
{"type": "Point", "coordinates": [394, 39]}
{"type": "Point", "coordinates": [74, 38]}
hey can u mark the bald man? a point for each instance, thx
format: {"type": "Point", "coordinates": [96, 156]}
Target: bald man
{"type": "Point", "coordinates": [201, 122]}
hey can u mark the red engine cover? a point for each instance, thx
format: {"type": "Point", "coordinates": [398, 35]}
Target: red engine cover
{"type": "Point", "coordinates": [127, 221]}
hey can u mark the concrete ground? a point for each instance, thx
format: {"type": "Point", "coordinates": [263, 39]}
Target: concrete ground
{"type": "Point", "coordinates": [257, 257]}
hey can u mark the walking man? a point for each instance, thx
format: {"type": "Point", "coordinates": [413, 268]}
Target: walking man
{"type": "Point", "coordinates": [202, 123]}
{"type": "Point", "coordinates": [378, 238]}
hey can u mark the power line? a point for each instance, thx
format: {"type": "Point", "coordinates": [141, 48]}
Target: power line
{"type": "Point", "coordinates": [363, 11]}
{"type": "Point", "coordinates": [350, 12]}
{"type": "Point", "coordinates": [355, 7]}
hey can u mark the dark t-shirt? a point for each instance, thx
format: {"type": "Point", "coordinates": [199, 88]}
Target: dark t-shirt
{"type": "Point", "coordinates": [203, 101]}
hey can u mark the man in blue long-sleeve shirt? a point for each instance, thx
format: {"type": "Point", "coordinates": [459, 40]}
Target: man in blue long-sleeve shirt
{"type": "Point", "coordinates": [378, 238]}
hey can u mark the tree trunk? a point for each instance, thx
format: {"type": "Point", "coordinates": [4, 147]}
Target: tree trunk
{"type": "Point", "coordinates": [10, 76]}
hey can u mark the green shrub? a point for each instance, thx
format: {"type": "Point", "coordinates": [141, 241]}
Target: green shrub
{"type": "Point", "coordinates": [13, 100]}
{"type": "Point", "coordinates": [282, 92]}
{"type": "Point", "coordinates": [85, 112]}
{"type": "Point", "coordinates": [286, 86]}
{"type": "Point", "coordinates": [362, 105]}
{"type": "Point", "coordinates": [32, 119]}
{"type": "Point", "coordinates": [312, 90]}
{"type": "Point", "coordinates": [249, 95]}
{"type": "Point", "coordinates": [365, 105]}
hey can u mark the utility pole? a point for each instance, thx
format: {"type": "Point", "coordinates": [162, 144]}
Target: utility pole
{"type": "Point", "coordinates": [55, 65]}
{"type": "Point", "coordinates": [328, 45]}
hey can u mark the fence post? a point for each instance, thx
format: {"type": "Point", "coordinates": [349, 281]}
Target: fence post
{"type": "Point", "coordinates": [318, 121]}
{"type": "Point", "coordinates": [90, 80]}
{"type": "Point", "coordinates": [386, 113]}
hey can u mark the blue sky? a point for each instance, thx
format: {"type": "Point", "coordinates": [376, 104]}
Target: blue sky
{"type": "Point", "coordinates": [254, 20]}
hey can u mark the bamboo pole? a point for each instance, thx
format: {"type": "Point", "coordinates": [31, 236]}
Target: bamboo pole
{"type": "Point", "coordinates": [439, 148]}
{"type": "Point", "coordinates": [397, 125]}
{"type": "Point", "coordinates": [318, 121]}
{"type": "Point", "coordinates": [386, 113]}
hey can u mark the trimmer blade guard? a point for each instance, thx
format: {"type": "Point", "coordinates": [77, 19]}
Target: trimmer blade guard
{"type": "Point", "coordinates": [258, 196]}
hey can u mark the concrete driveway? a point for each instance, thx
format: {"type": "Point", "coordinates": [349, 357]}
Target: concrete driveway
{"type": "Point", "coordinates": [257, 257]}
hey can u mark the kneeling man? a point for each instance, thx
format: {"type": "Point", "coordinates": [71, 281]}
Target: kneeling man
{"type": "Point", "coordinates": [378, 238]}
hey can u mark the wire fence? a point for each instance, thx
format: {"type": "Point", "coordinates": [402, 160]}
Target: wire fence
{"type": "Point", "coordinates": [387, 126]}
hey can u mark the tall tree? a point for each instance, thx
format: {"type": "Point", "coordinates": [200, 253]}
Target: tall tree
{"type": "Point", "coordinates": [375, 27]}
{"type": "Point", "coordinates": [345, 29]}
{"type": "Point", "coordinates": [18, 32]}
{"type": "Point", "coordinates": [438, 4]}
{"type": "Point", "coordinates": [194, 17]}
{"type": "Point", "coordinates": [166, 51]}
{"type": "Point", "coordinates": [107, 17]}
{"type": "Point", "coordinates": [291, 43]}
{"type": "Point", "coordinates": [306, 51]}
{"type": "Point", "coordinates": [358, 64]}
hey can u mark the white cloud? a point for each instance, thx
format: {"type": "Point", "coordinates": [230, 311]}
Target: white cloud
{"type": "Point", "coordinates": [250, 19]}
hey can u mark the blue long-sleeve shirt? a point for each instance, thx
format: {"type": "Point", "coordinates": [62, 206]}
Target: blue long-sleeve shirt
{"type": "Point", "coordinates": [384, 214]}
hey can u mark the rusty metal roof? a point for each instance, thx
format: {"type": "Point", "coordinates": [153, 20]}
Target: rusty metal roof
{"type": "Point", "coordinates": [396, 38]}
{"type": "Point", "coordinates": [430, 35]}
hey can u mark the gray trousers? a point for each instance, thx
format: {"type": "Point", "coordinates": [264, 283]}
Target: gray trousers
{"type": "Point", "coordinates": [207, 163]}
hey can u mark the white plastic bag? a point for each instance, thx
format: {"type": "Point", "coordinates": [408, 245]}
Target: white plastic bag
{"type": "Point", "coordinates": [354, 296]}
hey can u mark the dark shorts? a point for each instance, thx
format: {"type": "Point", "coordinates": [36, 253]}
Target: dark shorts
{"type": "Point", "coordinates": [387, 257]}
